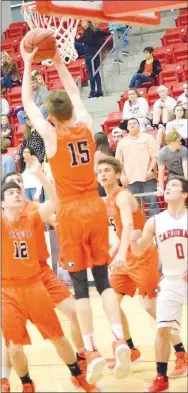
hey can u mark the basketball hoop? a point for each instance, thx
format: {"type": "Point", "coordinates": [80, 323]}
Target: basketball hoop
{"type": "Point", "coordinates": [64, 29]}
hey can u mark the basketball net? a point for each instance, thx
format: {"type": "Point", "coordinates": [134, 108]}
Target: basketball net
{"type": "Point", "coordinates": [63, 28]}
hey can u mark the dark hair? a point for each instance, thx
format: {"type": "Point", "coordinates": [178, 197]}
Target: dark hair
{"type": "Point", "coordinates": [135, 90]}
{"type": "Point", "coordinates": [184, 183]}
{"type": "Point", "coordinates": [22, 162]}
{"type": "Point", "coordinates": [182, 108]}
{"type": "Point", "coordinates": [102, 143]}
{"type": "Point", "coordinates": [8, 186]}
{"type": "Point", "coordinates": [148, 49]}
{"type": "Point", "coordinates": [9, 175]}
{"type": "Point", "coordinates": [132, 118]}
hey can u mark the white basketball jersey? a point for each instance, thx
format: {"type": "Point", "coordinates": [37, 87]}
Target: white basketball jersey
{"type": "Point", "coordinates": [172, 238]}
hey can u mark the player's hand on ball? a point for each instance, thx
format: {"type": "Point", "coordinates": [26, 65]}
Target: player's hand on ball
{"type": "Point", "coordinates": [135, 235]}
{"type": "Point", "coordinates": [27, 57]}
{"type": "Point", "coordinates": [56, 58]}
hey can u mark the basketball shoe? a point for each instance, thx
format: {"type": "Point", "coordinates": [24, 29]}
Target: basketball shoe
{"type": "Point", "coordinates": [28, 387]}
{"type": "Point", "coordinates": [95, 366]}
{"type": "Point", "coordinates": [80, 383]}
{"type": "Point", "coordinates": [181, 366]}
{"type": "Point", "coordinates": [5, 386]}
{"type": "Point", "coordinates": [136, 357]}
{"type": "Point", "coordinates": [160, 384]}
{"type": "Point", "coordinates": [122, 356]}
{"type": "Point", "coordinates": [82, 362]}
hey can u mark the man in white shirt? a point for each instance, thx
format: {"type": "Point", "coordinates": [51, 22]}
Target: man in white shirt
{"type": "Point", "coordinates": [183, 98]}
{"type": "Point", "coordinates": [163, 107]}
{"type": "Point", "coordinates": [4, 107]}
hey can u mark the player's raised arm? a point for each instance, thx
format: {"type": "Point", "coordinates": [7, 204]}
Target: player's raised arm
{"type": "Point", "coordinates": [43, 127]}
{"type": "Point", "coordinates": [138, 246]}
{"type": "Point", "coordinates": [45, 209]}
{"type": "Point", "coordinates": [72, 90]}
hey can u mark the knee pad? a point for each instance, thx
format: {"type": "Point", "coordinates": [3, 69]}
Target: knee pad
{"type": "Point", "coordinates": [100, 274]}
{"type": "Point", "coordinates": [80, 284]}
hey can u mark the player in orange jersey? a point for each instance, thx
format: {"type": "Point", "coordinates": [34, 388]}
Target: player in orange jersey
{"type": "Point", "coordinates": [61, 296]}
{"type": "Point", "coordinates": [129, 272]}
{"type": "Point", "coordinates": [70, 148]}
{"type": "Point", "coordinates": [24, 296]}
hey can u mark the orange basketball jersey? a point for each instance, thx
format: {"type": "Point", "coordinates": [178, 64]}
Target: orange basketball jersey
{"type": "Point", "coordinates": [42, 250]}
{"type": "Point", "coordinates": [73, 164]}
{"type": "Point", "coordinates": [114, 216]}
{"type": "Point", "coordinates": [19, 252]}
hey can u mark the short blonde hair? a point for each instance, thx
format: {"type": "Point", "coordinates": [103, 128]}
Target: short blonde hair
{"type": "Point", "coordinates": [172, 136]}
{"type": "Point", "coordinates": [59, 105]}
{"type": "Point", "coordinates": [162, 87]}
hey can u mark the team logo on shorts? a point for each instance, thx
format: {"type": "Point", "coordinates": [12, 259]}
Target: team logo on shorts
{"type": "Point", "coordinates": [70, 264]}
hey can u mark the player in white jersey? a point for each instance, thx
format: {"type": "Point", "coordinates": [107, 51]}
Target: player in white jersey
{"type": "Point", "coordinates": [171, 232]}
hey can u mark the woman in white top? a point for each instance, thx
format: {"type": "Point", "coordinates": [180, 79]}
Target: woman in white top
{"type": "Point", "coordinates": [138, 108]}
{"type": "Point", "coordinates": [32, 186]}
{"type": "Point", "coordinates": [163, 107]}
{"type": "Point", "coordinates": [180, 125]}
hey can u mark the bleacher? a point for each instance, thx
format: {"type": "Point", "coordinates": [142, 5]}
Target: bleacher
{"type": "Point", "coordinates": [173, 56]}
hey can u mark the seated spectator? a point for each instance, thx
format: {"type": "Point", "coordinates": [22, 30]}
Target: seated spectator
{"type": "Point", "coordinates": [32, 186]}
{"type": "Point", "coordinates": [149, 69]}
{"type": "Point", "coordinates": [173, 157]}
{"type": "Point", "coordinates": [8, 164]}
{"type": "Point", "coordinates": [137, 153]}
{"type": "Point", "coordinates": [180, 124]}
{"type": "Point", "coordinates": [183, 98]}
{"type": "Point", "coordinates": [9, 71]}
{"type": "Point", "coordinates": [39, 78]}
{"type": "Point", "coordinates": [103, 149]}
{"type": "Point", "coordinates": [32, 140]}
{"type": "Point", "coordinates": [163, 108]}
{"type": "Point", "coordinates": [117, 135]}
{"type": "Point", "coordinates": [118, 31]}
{"type": "Point", "coordinates": [39, 95]}
{"type": "Point", "coordinates": [138, 108]}
{"type": "Point", "coordinates": [4, 107]}
{"type": "Point", "coordinates": [6, 130]}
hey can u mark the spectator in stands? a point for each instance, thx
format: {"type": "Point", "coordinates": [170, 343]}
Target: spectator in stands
{"type": "Point", "coordinates": [8, 164]}
{"type": "Point", "coordinates": [103, 149]}
{"type": "Point", "coordinates": [180, 124]}
{"type": "Point", "coordinates": [9, 71]}
{"type": "Point", "coordinates": [183, 98]}
{"type": "Point", "coordinates": [4, 107]}
{"type": "Point", "coordinates": [117, 135]}
{"type": "Point", "coordinates": [6, 130]}
{"type": "Point", "coordinates": [137, 153]}
{"type": "Point", "coordinates": [149, 69]}
{"type": "Point", "coordinates": [39, 78]}
{"type": "Point", "coordinates": [118, 32]}
{"type": "Point", "coordinates": [39, 95]}
{"type": "Point", "coordinates": [174, 157]}
{"type": "Point", "coordinates": [163, 108]}
{"type": "Point", "coordinates": [92, 39]}
{"type": "Point", "coordinates": [32, 140]}
{"type": "Point", "coordinates": [32, 186]}
{"type": "Point", "coordinates": [137, 107]}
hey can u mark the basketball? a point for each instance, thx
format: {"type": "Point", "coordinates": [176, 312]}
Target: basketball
{"type": "Point", "coordinates": [43, 40]}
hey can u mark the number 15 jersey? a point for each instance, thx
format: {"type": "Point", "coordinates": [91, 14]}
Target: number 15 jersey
{"type": "Point", "coordinates": [73, 164]}
{"type": "Point", "coordinates": [172, 238]}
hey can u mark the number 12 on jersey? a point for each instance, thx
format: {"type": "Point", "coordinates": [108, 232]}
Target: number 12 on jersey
{"type": "Point", "coordinates": [79, 153]}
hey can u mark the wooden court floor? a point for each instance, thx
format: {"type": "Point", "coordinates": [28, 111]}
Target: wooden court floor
{"type": "Point", "coordinates": [50, 375]}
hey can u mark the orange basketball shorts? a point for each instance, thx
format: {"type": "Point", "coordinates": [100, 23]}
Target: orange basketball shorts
{"type": "Point", "coordinates": [141, 273]}
{"type": "Point", "coordinates": [83, 233]}
{"type": "Point", "coordinates": [55, 288]}
{"type": "Point", "coordinates": [28, 303]}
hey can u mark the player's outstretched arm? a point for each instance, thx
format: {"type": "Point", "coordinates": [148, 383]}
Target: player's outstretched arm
{"type": "Point", "coordinates": [45, 209]}
{"type": "Point", "coordinates": [72, 90]}
{"type": "Point", "coordinates": [42, 126]}
{"type": "Point", "coordinates": [138, 246]}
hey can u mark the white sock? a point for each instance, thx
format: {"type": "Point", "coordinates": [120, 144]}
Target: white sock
{"type": "Point", "coordinates": [89, 343]}
{"type": "Point", "coordinates": [5, 372]}
{"type": "Point", "coordinates": [117, 330]}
